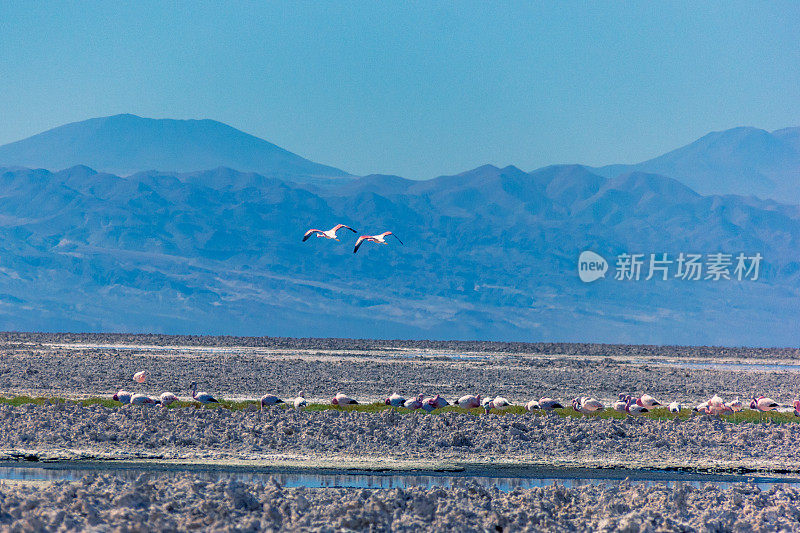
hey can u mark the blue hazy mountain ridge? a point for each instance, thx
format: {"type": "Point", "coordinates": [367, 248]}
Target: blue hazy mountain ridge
{"type": "Point", "coordinates": [489, 254]}
{"type": "Point", "coordinates": [745, 161]}
{"type": "Point", "coordinates": [126, 144]}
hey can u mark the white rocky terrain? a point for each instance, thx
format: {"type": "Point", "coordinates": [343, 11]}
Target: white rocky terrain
{"type": "Point", "coordinates": [53, 366]}
{"type": "Point", "coordinates": [161, 503]}
{"type": "Point", "coordinates": [386, 439]}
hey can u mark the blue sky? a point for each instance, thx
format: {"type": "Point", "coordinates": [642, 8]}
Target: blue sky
{"type": "Point", "coordinates": [415, 89]}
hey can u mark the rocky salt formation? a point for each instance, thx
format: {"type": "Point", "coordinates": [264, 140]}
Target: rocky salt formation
{"type": "Point", "coordinates": [66, 430]}
{"type": "Point", "coordinates": [161, 503]}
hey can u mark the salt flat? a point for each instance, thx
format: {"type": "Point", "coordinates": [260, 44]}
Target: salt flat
{"type": "Point", "coordinates": [98, 365]}
{"type": "Point", "coordinates": [88, 366]}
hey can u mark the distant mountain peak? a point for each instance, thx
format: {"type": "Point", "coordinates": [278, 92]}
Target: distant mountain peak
{"type": "Point", "coordinates": [125, 144]}
{"type": "Point", "coordinates": [742, 160]}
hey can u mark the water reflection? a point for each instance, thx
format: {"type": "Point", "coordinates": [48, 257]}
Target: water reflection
{"type": "Point", "coordinates": [568, 478]}
{"type": "Point", "coordinates": [745, 367]}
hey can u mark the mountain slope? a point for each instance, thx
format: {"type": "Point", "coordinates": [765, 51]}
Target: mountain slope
{"type": "Point", "coordinates": [488, 254]}
{"type": "Point", "coordinates": [126, 144]}
{"type": "Point", "coordinates": [745, 161]}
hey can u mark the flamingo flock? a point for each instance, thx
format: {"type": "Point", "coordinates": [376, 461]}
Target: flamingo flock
{"type": "Point", "coordinates": [331, 234]}
{"type": "Point", "coordinates": [626, 403]}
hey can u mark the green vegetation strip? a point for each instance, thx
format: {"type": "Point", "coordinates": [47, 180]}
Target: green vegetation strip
{"type": "Point", "coordinates": [656, 414]}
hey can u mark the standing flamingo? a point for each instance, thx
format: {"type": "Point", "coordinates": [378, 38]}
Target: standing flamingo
{"type": "Point", "coordinates": [590, 405]}
{"type": "Point", "coordinates": [167, 398]}
{"type": "Point", "coordinates": [122, 396]}
{"type": "Point", "coordinates": [486, 403]}
{"type": "Point", "coordinates": [796, 405]}
{"type": "Point", "coordinates": [674, 407]}
{"type": "Point", "coordinates": [395, 400]}
{"type": "Point", "coordinates": [343, 399]}
{"type": "Point", "coordinates": [142, 399]}
{"type": "Point", "coordinates": [763, 405]}
{"type": "Point", "coordinates": [300, 402]}
{"type": "Point", "coordinates": [330, 234]}
{"type": "Point", "coordinates": [500, 403]}
{"type": "Point", "coordinates": [469, 401]}
{"type": "Point", "coordinates": [576, 405]}
{"type": "Point", "coordinates": [702, 408]}
{"type": "Point", "coordinates": [586, 405]}
{"type": "Point", "coordinates": [736, 405]}
{"type": "Point", "coordinates": [414, 403]}
{"type": "Point", "coordinates": [380, 239]}
{"type": "Point", "coordinates": [202, 397]}
{"type": "Point", "coordinates": [548, 404]}
{"type": "Point", "coordinates": [716, 406]}
{"type": "Point", "coordinates": [621, 404]}
{"type": "Point", "coordinates": [634, 409]}
{"type": "Point", "coordinates": [532, 405]}
{"type": "Point", "coordinates": [435, 402]}
{"type": "Point", "coordinates": [647, 401]}
{"type": "Point", "coordinates": [268, 400]}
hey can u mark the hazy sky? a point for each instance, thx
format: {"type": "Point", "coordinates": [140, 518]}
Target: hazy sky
{"type": "Point", "coordinates": [415, 89]}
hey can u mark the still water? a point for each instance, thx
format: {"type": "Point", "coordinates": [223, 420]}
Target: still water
{"type": "Point", "coordinates": [741, 367]}
{"type": "Point", "coordinates": [326, 478]}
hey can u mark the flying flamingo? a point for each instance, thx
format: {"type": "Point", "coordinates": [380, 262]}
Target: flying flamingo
{"type": "Point", "coordinates": [122, 396]}
{"type": "Point", "coordinates": [548, 404]}
{"type": "Point", "coordinates": [380, 239]}
{"type": "Point", "coordinates": [395, 400]}
{"type": "Point", "coordinates": [469, 401]}
{"type": "Point", "coordinates": [343, 399]}
{"type": "Point", "coordinates": [268, 400]}
{"type": "Point", "coordinates": [330, 234]}
{"type": "Point", "coordinates": [139, 377]}
{"type": "Point", "coordinates": [202, 397]}
{"type": "Point", "coordinates": [167, 398]}
{"type": "Point", "coordinates": [414, 403]}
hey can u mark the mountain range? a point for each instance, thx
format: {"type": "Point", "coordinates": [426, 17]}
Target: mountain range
{"type": "Point", "coordinates": [489, 254]}
{"type": "Point", "coordinates": [745, 161]}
